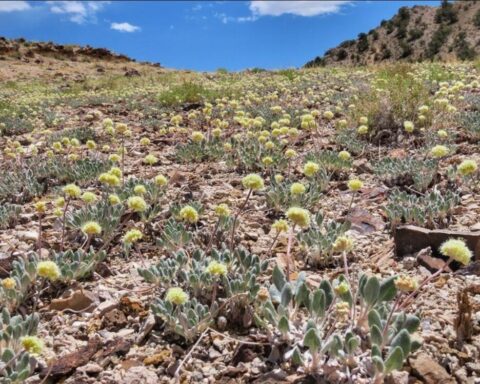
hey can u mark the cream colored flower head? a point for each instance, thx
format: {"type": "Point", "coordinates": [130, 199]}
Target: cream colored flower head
{"type": "Point", "coordinates": [48, 270]}
{"type": "Point", "coordinates": [176, 296]}
{"type": "Point", "coordinates": [189, 214]}
{"type": "Point", "coordinates": [299, 216]}
{"type": "Point", "coordinates": [457, 250]}
{"type": "Point", "coordinates": [216, 268]}
{"type": "Point", "coordinates": [253, 182]}
{"type": "Point", "coordinates": [310, 168]}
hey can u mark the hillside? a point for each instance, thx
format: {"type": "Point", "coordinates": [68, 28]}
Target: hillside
{"type": "Point", "coordinates": [445, 33]}
{"type": "Point", "coordinates": [22, 60]}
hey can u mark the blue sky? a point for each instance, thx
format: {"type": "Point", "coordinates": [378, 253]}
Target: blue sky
{"type": "Point", "coordinates": [200, 35]}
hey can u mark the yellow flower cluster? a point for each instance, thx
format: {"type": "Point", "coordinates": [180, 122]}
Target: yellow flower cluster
{"type": "Point", "coordinates": [299, 216]}
{"type": "Point", "coordinates": [132, 236]}
{"type": "Point", "coordinates": [137, 204]}
{"type": "Point", "coordinates": [89, 197]}
{"type": "Point", "coordinates": [280, 225]}
{"type": "Point", "coordinates": [439, 151]}
{"type": "Point", "coordinates": [467, 167]}
{"type": "Point", "coordinates": [344, 155]}
{"type": "Point", "coordinates": [71, 190]}
{"type": "Point", "coordinates": [406, 283]}
{"type": "Point", "coordinates": [457, 250]}
{"type": "Point", "coordinates": [222, 210]}
{"type": "Point", "coordinates": [32, 344]}
{"type": "Point", "coordinates": [160, 180]}
{"type": "Point", "coordinates": [297, 189]}
{"type": "Point", "coordinates": [91, 228]}
{"type": "Point", "coordinates": [216, 268]}
{"type": "Point", "coordinates": [8, 283]}
{"type": "Point", "coordinates": [176, 296]}
{"type": "Point", "coordinates": [310, 169]}
{"type": "Point", "coordinates": [253, 181]}
{"type": "Point", "coordinates": [48, 270]}
{"type": "Point", "coordinates": [343, 244]}
{"type": "Point", "coordinates": [355, 184]}
{"type": "Point", "coordinates": [189, 214]}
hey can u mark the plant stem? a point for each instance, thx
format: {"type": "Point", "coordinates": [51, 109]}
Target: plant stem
{"type": "Point", "coordinates": [63, 224]}
{"type": "Point", "coordinates": [273, 244]}
{"type": "Point", "coordinates": [409, 298]}
{"type": "Point", "coordinates": [345, 265]}
{"type": "Point", "coordinates": [289, 247]}
{"type": "Point", "coordinates": [235, 218]}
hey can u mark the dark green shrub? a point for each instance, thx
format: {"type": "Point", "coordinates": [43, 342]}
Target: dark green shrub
{"type": "Point", "coordinates": [439, 38]}
{"type": "Point", "coordinates": [446, 14]}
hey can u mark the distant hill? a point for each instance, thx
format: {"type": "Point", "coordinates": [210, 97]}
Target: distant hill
{"type": "Point", "coordinates": [23, 59]}
{"type": "Point", "coordinates": [448, 32]}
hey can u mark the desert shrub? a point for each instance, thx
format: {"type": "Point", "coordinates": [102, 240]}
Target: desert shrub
{"type": "Point", "coordinates": [396, 98]}
{"type": "Point", "coordinates": [290, 74]}
{"type": "Point", "coordinates": [415, 34]}
{"type": "Point", "coordinates": [188, 92]}
{"type": "Point", "coordinates": [362, 44]}
{"type": "Point", "coordinates": [341, 54]}
{"type": "Point", "coordinates": [463, 49]}
{"type": "Point", "coordinates": [317, 62]}
{"type": "Point", "coordinates": [476, 19]}
{"type": "Point", "coordinates": [446, 14]}
{"type": "Point", "coordinates": [439, 38]}
{"type": "Point", "coordinates": [406, 49]}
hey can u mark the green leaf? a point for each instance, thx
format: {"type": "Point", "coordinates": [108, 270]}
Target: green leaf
{"type": "Point", "coordinates": [7, 355]}
{"type": "Point", "coordinates": [283, 326]}
{"type": "Point", "coordinates": [302, 295]}
{"type": "Point", "coordinates": [318, 303]}
{"type": "Point", "coordinates": [411, 323]}
{"type": "Point", "coordinates": [352, 344]}
{"type": "Point", "coordinates": [297, 358]}
{"type": "Point", "coordinates": [286, 295]}
{"type": "Point", "coordinates": [394, 360]}
{"type": "Point", "coordinates": [374, 319]}
{"type": "Point", "coordinates": [415, 345]}
{"type": "Point", "coordinates": [23, 375]}
{"type": "Point", "coordinates": [312, 340]}
{"type": "Point", "coordinates": [376, 335]}
{"type": "Point", "coordinates": [378, 363]}
{"type": "Point", "coordinates": [387, 289]}
{"type": "Point", "coordinates": [376, 351]}
{"type": "Point", "coordinates": [278, 278]}
{"type": "Point", "coordinates": [402, 340]}
{"type": "Point", "coordinates": [327, 289]}
{"type": "Point", "coordinates": [371, 290]}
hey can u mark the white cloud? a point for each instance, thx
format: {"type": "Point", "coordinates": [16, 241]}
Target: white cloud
{"type": "Point", "coordinates": [78, 11]}
{"type": "Point", "coordinates": [124, 27]}
{"type": "Point", "coordinates": [11, 6]}
{"type": "Point", "coordinates": [299, 8]}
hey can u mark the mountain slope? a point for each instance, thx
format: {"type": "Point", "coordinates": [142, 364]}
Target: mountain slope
{"type": "Point", "coordinates": [450, 31]}
{"type": "Point", "coordinates": [22, 59]}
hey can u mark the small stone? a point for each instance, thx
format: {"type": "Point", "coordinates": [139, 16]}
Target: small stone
{"type": "Point", "coordinates": [27, 235]}
{"type": "Point", "coordinates": [91, 368]}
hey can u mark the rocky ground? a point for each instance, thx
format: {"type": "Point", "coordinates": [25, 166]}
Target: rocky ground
{"type": "Point", "coordinates": [101, 329]}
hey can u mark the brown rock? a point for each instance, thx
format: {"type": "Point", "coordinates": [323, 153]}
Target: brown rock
{"type": "Point", "coordinates": [80, 300]}
{"type": "Point", "coordinates": [114, 319]}
{"type": "Point", "coordinates": [429, 371]}
{"type": "Point", "coordinates": [68, 363]}
{"type": "Point", "coordinates": [363, 222]}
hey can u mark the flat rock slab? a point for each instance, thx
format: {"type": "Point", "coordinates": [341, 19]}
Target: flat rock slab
{"type": "Point", "coordinates": [410, 239]}
{"type": "Point", "coordinates": [429, 371]}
